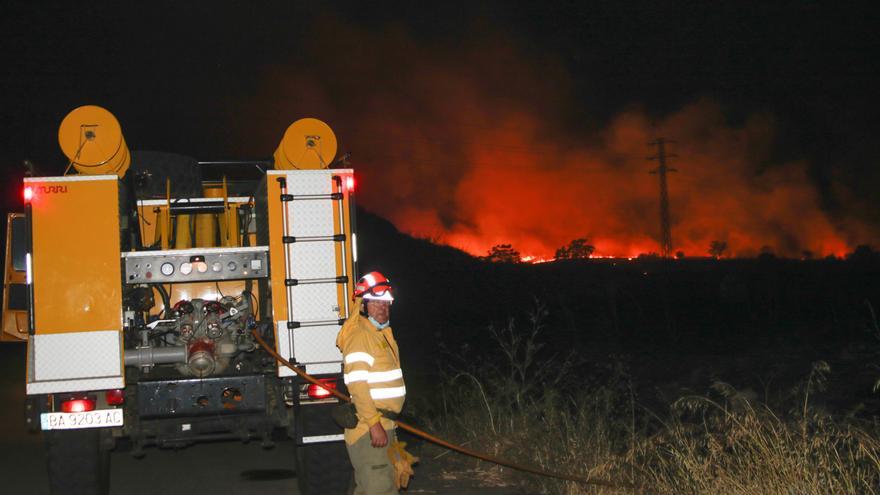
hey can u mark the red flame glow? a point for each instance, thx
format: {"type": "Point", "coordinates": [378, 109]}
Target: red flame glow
{"type": "Point", "coordinates": [472, 148]}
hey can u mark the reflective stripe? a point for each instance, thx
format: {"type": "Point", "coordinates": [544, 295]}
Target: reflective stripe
{"type": "Point", "coordinates": [387, 393]}
{"type": "Point", "coordinates": [370, 279]}
{"type": "Point", "coordinates": [355, 357]}
{"type": "Point", "coordinates": [354, 247]}
{"type": "Point", "coordinates": [323, 438]}
{"type": "Point", "coordinates": [356, 376]}
{"type": "Point", "coordinates": [384, 376]}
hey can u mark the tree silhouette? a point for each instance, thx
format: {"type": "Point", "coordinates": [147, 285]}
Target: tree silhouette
{"type": "Point", "coordinates": [717, 248]}
{"type": "Point", "coordinates": [863, 253]}
{"type": "Point", "coordinates": [766, 253]}
{"type": "Point", "coordinates": [576, 249]}
{"type": "Point", "coordinates": [503, 253]}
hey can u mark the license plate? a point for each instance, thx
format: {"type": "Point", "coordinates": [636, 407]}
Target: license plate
{"type": "Point", "coordinates": [100, 418]}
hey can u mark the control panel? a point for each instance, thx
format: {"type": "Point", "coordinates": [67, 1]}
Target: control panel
{"type": "Point", "coordinates": [196, 265]}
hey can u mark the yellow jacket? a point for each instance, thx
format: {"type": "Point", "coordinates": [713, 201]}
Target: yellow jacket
{"type": "Point", "coordinates": [371, 367]}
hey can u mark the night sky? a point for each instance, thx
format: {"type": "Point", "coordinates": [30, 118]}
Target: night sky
{"type": "Point", "coordinates": [487, 122]}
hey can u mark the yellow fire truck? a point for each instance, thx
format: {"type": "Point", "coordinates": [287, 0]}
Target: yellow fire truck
{"type": "Point", "coordinates": [136, 279]}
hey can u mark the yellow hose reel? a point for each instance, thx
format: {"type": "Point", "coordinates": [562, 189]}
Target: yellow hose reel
{"type": "Point", "coordinates": [91, 138]}
{"type": "Point", "coordinates": [307, 144]}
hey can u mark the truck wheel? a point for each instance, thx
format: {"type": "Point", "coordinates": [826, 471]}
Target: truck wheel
{"type": "Point", "coordinates": [77, 463]}
{"type": "Point", "coordinates": [323, 468]}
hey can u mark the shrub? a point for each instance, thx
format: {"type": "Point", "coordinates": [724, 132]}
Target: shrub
{"type": "Point", "coordinates": [523, 407]}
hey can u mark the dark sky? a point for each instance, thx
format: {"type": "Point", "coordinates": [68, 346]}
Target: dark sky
{"type": "Point", "coordinates": [196, 77]}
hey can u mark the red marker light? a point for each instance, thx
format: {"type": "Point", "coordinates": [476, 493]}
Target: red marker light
{"type": "Point", "coordinates": [77, 405]}
{"type": "Point", "coordinates": [28, 194]}
{"type": "Point", "coordinates": [115, 397]}
{"type": "Point", "coordinates": [349, 183]}
{"type": "Point", "coordinates": [316, 392]}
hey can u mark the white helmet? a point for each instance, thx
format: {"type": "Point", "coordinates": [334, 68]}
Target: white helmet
{"type": "Point", "coordinates": [374, 286]}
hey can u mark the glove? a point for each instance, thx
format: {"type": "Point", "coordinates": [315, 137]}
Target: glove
{"type": "Point", "coordinates": [402, 462]}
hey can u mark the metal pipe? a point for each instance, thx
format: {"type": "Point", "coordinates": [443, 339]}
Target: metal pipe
{"type": "Point", "coordinates": [196, 208]}
{"type": "Point", "coordinates": [341, 212]}
{"type": "Point", "coordinates": [149, 356]}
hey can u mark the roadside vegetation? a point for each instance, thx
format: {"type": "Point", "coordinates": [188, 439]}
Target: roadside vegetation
{"type": "Point", "coordinates": [532, 406]}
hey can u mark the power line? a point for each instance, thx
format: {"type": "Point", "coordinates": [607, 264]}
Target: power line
{"type": "Point", "coordinates": [665, 227]}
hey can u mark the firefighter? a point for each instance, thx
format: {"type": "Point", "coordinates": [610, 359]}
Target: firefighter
{"type": "Point", "coordinates": [375, 381]}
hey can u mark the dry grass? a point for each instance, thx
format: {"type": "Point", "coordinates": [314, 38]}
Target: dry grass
{"type": "Point", "coordinates": [721, 443]}
{"type": "Point", "coordinates": [752, 450]}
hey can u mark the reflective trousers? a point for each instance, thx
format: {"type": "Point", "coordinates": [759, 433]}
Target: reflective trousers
{"type": "Point", "coordinates": [373, 472]}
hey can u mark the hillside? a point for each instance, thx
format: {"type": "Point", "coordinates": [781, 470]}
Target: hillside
{"type": "Point", "coordinates": [675, 324]}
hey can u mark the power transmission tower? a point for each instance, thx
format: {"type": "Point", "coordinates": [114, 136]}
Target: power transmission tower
{"type": "Point", "coordinates": [665, 228]}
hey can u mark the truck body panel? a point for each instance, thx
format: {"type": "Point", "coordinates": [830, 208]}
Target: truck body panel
{"type": "Point", "coordinates": [310, 246]}
{"type": "Point", "coordinates": [76, 284]}
{"type": "Point", "coordinates": [76, 273]}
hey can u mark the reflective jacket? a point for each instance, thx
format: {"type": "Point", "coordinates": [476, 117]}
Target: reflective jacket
{"type": "Point", "coordinates": [371, 367]}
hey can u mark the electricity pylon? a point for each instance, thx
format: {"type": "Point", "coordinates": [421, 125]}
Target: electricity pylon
{"type": "Point", "coordinates": [665, 227]}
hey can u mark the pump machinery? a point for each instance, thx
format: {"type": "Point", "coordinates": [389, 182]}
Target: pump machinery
{"type": "Point", "coordinates": [137, 278]}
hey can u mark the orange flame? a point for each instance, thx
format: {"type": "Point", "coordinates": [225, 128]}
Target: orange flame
{"type": "Point", "coordinates": [470, 147]}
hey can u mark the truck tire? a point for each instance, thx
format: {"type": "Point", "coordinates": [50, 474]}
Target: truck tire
{"type": "Point", "coordinates": [323, 468]}
{"type": "Point", "coordinates": [77, 463]}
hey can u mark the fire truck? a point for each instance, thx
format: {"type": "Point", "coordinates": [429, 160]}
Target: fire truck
{"type": "Point", "coordinates": [137, 278]}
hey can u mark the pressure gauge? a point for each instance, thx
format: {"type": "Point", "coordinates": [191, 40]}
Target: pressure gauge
{"type": "Point", "coordinates": [186, 268]}
{"type": "Point", "coordinates": [167, 269]}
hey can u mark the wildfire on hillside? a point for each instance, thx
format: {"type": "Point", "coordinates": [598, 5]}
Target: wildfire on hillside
{"type": "Point", "coordinates": [535, 260]}
{"type": "Point", "coordinates": [723, 191]}
{"type": "Point", "coordinates": [475, 147]}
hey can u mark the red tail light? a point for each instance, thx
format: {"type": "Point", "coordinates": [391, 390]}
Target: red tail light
{"type": "Point", "coordinates": [316, 392]}
{"type": "Point", "coordinates": [28, 194]}
{"type": "Point", "coordinates": [349, 183]}
{"type": "Point", "coordinates": [78, 405]}
{"type": "Point", "coordinates": [115, 397]}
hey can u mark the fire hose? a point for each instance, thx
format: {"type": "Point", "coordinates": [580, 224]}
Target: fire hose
{"type": "Point", "coordinates": [439, 441]}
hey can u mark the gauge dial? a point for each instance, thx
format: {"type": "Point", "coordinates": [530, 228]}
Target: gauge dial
{"type": "Point", "coordinates": [167, 269]}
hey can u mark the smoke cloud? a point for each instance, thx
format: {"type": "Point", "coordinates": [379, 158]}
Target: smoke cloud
{"type": "Point", "coordinates": [472, 144]}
